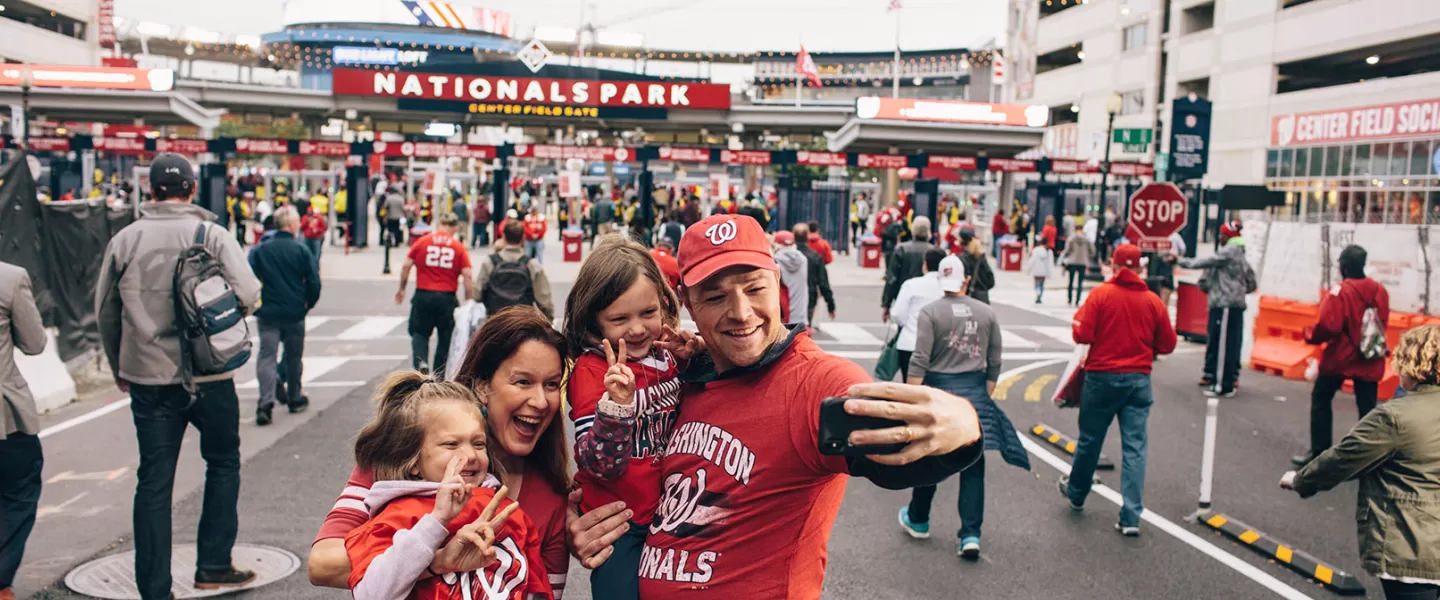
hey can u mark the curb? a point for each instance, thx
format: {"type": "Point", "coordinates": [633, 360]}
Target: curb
{"type": "Point", "coordinates": [1066, 444]}
{"type": "Point", "coordinates": [1299, 561]}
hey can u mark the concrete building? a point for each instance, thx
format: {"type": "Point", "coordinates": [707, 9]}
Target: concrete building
{"type": "Point", "coordinates": [1335, 101]}
{"type": "Point", "coordinates": [64, 32]}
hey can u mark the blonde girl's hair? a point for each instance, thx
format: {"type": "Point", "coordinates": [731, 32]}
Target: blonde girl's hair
{"type": "Point", "coordinates": [1418, 355]}
{"type": "Point", "coordinates": [389, 445]}
{"type": "Point", "coordinates": [612, 268]}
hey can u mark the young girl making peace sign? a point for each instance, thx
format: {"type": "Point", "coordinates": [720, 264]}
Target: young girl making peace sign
{"type": "Point", "coordinates": [435, 499]}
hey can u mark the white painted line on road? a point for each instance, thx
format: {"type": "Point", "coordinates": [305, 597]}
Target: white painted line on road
{"type": "Point", "coordinates": [849, 333]}
{"type": "Point", "coordinates": [1062, 334]}
{"type": "Point", "coordinates": [1168, 526]}
{"type": "Point", "coordinates": [85, 418]}
{"type": "Point", "coordinates": [371, 328]}
{"type": "Point", "coordinates": [875, 354]}
{"type": "Point", "coordinates": [1009, 339]}
{"type": "Point", "coordinates": [312, 322]}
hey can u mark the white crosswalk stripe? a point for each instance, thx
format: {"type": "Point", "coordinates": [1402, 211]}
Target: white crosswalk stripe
{"type": "Point", "coordinates": [848, 333]}
{"type": "Point", "coordinates": [315, 367]}
{"type": "Point", "coordinates": [1061, 334]}
{"type": "Point", "coordinates": [1010, 339]}
{"type": "Point", "coordinates": [371, 328]}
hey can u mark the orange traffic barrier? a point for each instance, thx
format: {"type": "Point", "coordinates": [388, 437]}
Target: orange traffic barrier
{"type": "Point", "coordinates": [1280, 347]}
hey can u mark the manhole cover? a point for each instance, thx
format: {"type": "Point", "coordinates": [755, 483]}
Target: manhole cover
{"type": "Point", "coordinates": [113, 577]}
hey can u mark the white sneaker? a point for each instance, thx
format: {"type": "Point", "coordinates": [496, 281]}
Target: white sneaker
{"type": "Point", "coordinates": [1128, 530]}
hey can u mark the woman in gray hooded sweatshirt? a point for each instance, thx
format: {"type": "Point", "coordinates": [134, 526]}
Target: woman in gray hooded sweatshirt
{"type": "Point", "coordinates": [794, 275]}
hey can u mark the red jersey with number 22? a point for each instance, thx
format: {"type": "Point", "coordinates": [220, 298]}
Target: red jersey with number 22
{"type": "Point", "coordinates": [438, 259]}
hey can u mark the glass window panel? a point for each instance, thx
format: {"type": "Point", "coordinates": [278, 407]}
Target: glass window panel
{"type": "Point", "coordinates": [1420, 154]}
{"type": "Point", "coordinates": [1302, 161]}
{"type": "Point", "coordinates": [1346, 153]}
{"type": "Point", "coordinates": [1272, 163]}
{"type": "Point", "coordinates": [1317, 161]}
{"type": "Point", "coordinates": [1399, 158]}
{"type": "Point", "coordinates": [1379, 160]}
{"type": "Point", "coordinates": [1362, 160]}
{"type": "Point", "coordinates": [1432, 208]}
{"type": "Point", "coordinates": [1332, 161]}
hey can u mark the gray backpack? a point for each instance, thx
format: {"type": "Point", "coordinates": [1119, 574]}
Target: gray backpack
{"type": "Point", "coordinates": [214, 338]}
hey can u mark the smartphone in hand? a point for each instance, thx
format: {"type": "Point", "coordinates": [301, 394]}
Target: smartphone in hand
{"type": "Point", "coordinates": [836, 426]}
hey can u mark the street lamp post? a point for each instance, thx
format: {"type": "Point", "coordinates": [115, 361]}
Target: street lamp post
{"type": "Point", "coordinates": [26, 80]}
{"type": "Point", "coordinates": [1112, 108]}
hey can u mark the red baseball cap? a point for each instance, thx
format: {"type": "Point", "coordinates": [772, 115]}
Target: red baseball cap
{"type": "Point", "coordinates": [722, 241]}
{"type": "Point", "coordinates": [1127, 255]}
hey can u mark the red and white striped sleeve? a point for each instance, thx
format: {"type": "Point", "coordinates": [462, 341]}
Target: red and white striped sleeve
{"type": "Point", "coordinates": [349, 511]}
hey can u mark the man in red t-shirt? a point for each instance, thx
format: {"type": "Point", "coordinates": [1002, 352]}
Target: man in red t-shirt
{"type": "Point", "coordinates": [535, 234]}
{"type": "Point", "coordinates": [441, 265]}
{"type": "Point", "coordinates": [749, 500]}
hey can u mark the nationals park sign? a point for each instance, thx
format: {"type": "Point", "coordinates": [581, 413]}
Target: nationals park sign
{"type": "Point", "coordinates": [531, 90]}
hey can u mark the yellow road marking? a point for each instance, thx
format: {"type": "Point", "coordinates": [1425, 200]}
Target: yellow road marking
{"type": "Point", "coordinates": [1032, 392]}
{"type": "Point", "coordinates": [1323, 573]}
{"type": "Point", "coordinates": [1249, 537]}
{"type": "Point", "coordinates": [1284, 554]}
{"type": "Point", "coordinates": [1003, 388]}
{"type": "Point", "coordinates": [1039, 430]}
{"type": "Point", "coordinates": [1217, 520]}
{"type": "Point", "coordinates": [1054, 437]}
{"type": "Point", "coordinates": [1070, 447]}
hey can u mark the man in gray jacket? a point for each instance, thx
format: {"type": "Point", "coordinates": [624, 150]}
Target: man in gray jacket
{"type": "Point", "coordinates": [907, 261]}
{"type": "Point", "coordinates": [1227, 280]}
{"type": "Point", "coordinates": [794, 275]}
{"type": "Point", "coordinates": [135, 303]}
{"type": "Point", "coordinates": [20, 457]}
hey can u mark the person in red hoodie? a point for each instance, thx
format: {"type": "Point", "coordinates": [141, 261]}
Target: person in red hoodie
{"type": "Point", "coordinates": [1048, 232]}
{"type": "Point", "coordinates": [998, 229]}
{"type": "Point", "coordinates": [1341, 324]}
{"type": "Point", "coordinates": [1136, 328]}
{"type": "Point", "coordinates": [818, 243]}
{"type": "Point", "coordinates": [664, 254]}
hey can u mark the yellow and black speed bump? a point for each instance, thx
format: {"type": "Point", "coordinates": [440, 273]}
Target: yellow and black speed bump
{"type": "Point", "coordinates": [1063, 442]}
{"type": "Point", "coordinates": [1332, 578]}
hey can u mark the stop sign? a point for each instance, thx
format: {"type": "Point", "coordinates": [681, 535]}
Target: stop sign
{"type": "Point", "coordinates": [1157, 211]}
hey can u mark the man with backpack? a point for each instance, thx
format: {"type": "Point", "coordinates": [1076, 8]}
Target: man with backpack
{"type": "Point", "coordinates": [160, 277]}
{"type": "Point", "coordinates": [509, 278]}
{"type": "Point", "coordinates": [1227, 280]}
{"type": "Point", "coordinates": [1352, 320]}
{"type": "Point", "coordinates": [442, 266]}
{"type": "Point", "coordinates": [291, 281]}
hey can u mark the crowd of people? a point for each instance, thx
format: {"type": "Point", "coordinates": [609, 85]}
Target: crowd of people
{"type": "Point", "coordinates": [694, 466]}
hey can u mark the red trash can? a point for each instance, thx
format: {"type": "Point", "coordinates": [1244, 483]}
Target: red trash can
{"type": "Point", "coordinates": [870, 253]}
{"type": "Point", "coordinates": [1192, 312]}
{"type": "Point", "coordinates": [1011, 255]}
{"type": "Point", "coordinates": [574, 241]}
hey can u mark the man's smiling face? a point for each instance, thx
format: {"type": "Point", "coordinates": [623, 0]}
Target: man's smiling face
{"type": "Point", "coordinates": [737, 311]}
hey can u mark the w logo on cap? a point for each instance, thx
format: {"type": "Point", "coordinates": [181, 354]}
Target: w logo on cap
{"type": "Point", "coordinates": [720, 233]}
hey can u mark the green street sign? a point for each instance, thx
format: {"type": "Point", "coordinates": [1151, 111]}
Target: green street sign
{"type": "Point", "coordinates": [1133, 136]}
{"type": "Point", "coordinates": [1137, 147]}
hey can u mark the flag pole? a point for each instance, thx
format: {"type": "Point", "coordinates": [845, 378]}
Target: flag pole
{"type": "Point", "coordinates": [895, 67]}
{"type": "Point", "coordinates": [798, 74]}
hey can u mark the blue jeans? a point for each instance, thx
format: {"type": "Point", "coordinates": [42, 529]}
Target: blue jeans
{"type": "Point", "coordinates": [162, 414]}
{"type": "Point", "coordinates": [619, 577]}
{"type": "Point", "coordinates": [1106, 397]}
{"type": "Point", "coordinates": [535, 250]}
{"type": "Point", "coordinates": [315, 245]}
{"type": "Point", "coordinates": [971, 504]}
{"type": "Point", "coordinates": [19, 497]}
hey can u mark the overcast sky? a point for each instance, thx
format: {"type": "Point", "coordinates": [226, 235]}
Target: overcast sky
{"type": "Point", "coordinates": [707, 25]}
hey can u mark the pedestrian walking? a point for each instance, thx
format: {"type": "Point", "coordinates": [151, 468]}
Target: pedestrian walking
{"type": "Point", "coordinates": [914, 295]}
{"type": "Point", "coordinates": [535, 234]}
{"type": "Point", "coordinates": [461, 208]}
{"type": "Point", "coordinates": [480, 229]}
{"type": "Point", "coordinates": [1126, 328]}
{"type": "Point", "coordinates": [1227, 280]}
{"type": "Point", "coordinates": [817, 277]}
{"type": "Point", "coordinates": [818, 243]}
{"type": "Point", "coordinates": [977, 266]}
{"type": "Point", "coordinates": [1041, 259]}
{"type": "Point", "coordinates": [794, 278]}
{"type": "Point", "coordinates": [958, 350]}
{"type": "Point", "coordinates": [23, 457]}
{"type": "Point", "coordinates": [1354, 312]}
{"type": "Point", "coordinates": [1395, 453]}
{"type": "Point", "coordinates": [442, 265]}
{"type": "Point", "coordinates": [999, 228]}
{"type": "Point", "coordinates": [1079, 251]}
{"type": "Point", "coordinates": [1048, 234]}
{"type": "Point", "coordinates": [290, 288]}
{"type": "Point", "coordinates": [664, 255]}
{"type": "Point", "coordinates": [312, 226]}
{"type": "Point", "coordinates": [394, 205]}
{"type": "Point", "coordinates": [510, 278]}
{"type": "Point", "coordinates": [135, 302]}
{"type": "Point", "coordinates": [859, 217]}
{"type": "Point", "coordinates": [907, 261]}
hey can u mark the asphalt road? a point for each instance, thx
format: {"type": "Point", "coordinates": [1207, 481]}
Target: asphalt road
{"type": "Point", "coordinates": [1033, 546]}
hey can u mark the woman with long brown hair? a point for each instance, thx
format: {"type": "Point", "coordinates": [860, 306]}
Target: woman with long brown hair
{"type": "Point", "coordinates": [516, 365]}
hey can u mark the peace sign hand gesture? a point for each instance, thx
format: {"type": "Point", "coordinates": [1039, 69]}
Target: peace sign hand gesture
{"type": "Point", "coordinates": [453, 494]}
{"type": "Point", "coordinates": [472, 548]}
{"type": "Point", "coordinates": [619, 379]}
{"type": "Point", "coordinates": [683, 344]}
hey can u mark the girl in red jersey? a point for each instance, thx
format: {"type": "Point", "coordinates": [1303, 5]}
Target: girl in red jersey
{"type": "Point", "coordinates": [622, 317]}
{"type": "Point", "coordinates": [433, 494]}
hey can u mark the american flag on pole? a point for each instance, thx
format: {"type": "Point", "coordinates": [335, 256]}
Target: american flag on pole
{"type": "Point", "coordinates": [805, 65]}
